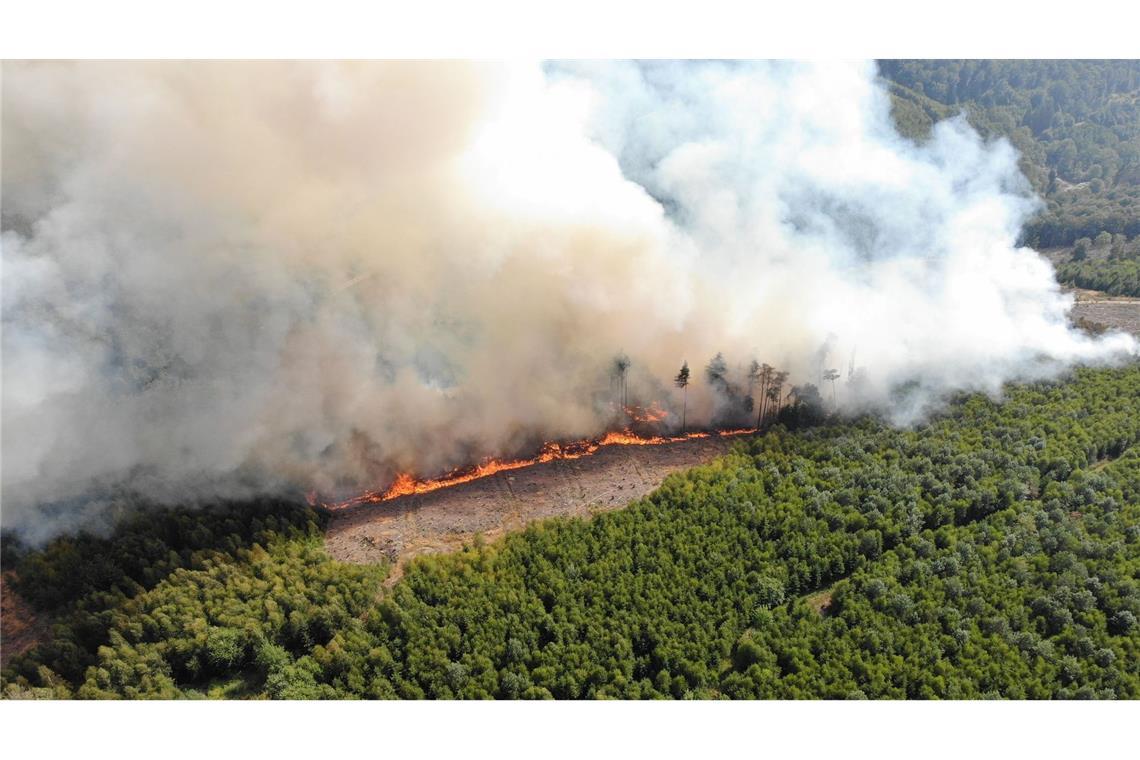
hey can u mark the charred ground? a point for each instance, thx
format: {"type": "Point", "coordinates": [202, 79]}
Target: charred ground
{"type": "Point", "coordinates": [443, 520]}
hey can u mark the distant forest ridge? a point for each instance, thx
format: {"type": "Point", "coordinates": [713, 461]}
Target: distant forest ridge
{"type": "Point", "coordinates": [1075, 123]}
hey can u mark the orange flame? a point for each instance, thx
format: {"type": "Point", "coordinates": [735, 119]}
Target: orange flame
{"type": "Point", "coordinates": [650, 415]}
{"type": "Point", "coordinates": [406, 484]}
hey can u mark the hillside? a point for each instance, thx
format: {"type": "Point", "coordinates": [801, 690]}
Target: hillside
{"type": "Point", "coordinates": [1077, 127]}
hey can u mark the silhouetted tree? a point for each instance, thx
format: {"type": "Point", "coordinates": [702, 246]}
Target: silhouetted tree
{"type": "Point", "coordinates": [832, 375]}
{"type": "Point", "coordinates": [773, 397]}
{"type": "Point", "coordinates": [765, 374]}
{"type": "Point", "coordinates": [621, 367]}
{"type": "Point", "coordinates": [753, 380]}
{"type": "Point", "coordinates": [717, 371]}
{"type": "Point", "coordinates": [775, 386]}
{"type": "Point", "coordinates": [682, 382]}
{"type": "Point", "coordinates": [730, 397]}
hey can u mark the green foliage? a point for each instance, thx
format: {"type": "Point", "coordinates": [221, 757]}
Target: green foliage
{"type": "Point", "coordinates": [993, 552]}
{"type": "Point", "coordinates": [1118, 278]}
{"type": "Point", "coordinates": [1076, 125]}
{"type": "Point", "coordinates": [178, 596]}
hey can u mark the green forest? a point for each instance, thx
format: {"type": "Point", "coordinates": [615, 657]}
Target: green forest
{"type": "Point", "coordinates": [991, 552]}
{"type": "Point", "coordinates": [1076, 125]}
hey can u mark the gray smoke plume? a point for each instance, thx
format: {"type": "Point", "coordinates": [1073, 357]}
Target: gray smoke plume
{"type": "Point", "coordinates": [226, 279]}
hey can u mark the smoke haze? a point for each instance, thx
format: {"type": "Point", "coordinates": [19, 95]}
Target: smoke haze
{"type": "Point", "coordinates": [225, 279]}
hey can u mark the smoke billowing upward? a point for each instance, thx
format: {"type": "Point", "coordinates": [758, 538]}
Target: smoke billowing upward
{"type": "Point", "coordinates": [236, 278]}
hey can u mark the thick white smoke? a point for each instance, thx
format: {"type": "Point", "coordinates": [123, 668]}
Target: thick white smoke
{"type": "Point", "coordinates": [233, 278]}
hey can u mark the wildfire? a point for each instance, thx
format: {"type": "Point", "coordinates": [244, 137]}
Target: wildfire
{"type": "Point", "coordinates": [406, 484]}
{"type": "Point", "coordinates": [649, 415]}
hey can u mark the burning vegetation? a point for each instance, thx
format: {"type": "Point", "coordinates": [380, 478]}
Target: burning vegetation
{"type": "Point", "coordinates": [554, 229]}
{"type": "Point", "coordinates": [638, 425]}
{"type": "Point", "coordinates": [407, 484]}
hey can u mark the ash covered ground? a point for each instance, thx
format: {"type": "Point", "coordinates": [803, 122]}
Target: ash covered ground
{"type": "Point", "coordinates": [443, 520]}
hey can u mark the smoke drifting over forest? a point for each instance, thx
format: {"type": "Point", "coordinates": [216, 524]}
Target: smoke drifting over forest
{"type": "Point", "coordinates": [223, 279]}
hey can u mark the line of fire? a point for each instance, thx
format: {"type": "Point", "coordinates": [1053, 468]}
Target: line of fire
{"type": "Point", "coordinates": [641, 428]}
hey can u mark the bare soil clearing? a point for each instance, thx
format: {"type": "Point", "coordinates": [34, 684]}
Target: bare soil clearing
{"type": "Point", "coordinates": [1119, 312]}
{"type": "Point", "coordinates": [820, 601]}
{"type": "Point", "coordinates": [444, 520]}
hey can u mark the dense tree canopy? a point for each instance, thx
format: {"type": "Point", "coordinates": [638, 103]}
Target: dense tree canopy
{"type": "Point", "coordinates": [994, 551]}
